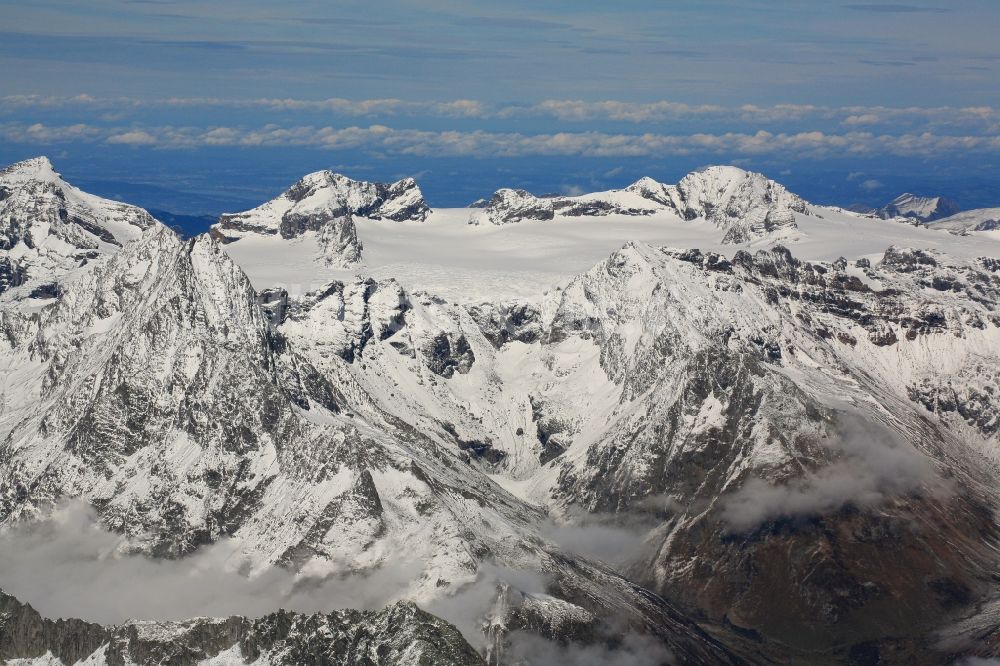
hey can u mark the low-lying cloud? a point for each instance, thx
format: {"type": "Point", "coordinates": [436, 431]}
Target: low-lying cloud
{"type": "Point", "coordinates": [598, 539]}
{"type": "Point", "coordinates": [873, 466]}
{"type": "Point", "coordinates": [69, 566]}
{"type": "Point", "coordinates": [634, 650]}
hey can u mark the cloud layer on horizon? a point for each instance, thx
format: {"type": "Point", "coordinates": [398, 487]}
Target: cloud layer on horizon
{"type": "Point", "coordinates": [384, 140]}
{"type": "Point", "coordinates": [983, 118]}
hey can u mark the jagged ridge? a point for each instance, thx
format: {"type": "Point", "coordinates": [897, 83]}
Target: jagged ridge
{"type": "Point", "coordinates": [400, 634]}
{"type": "Point", "coordinates": [745, 205]}
{"type": "Point", "coordinates": [325, 203]}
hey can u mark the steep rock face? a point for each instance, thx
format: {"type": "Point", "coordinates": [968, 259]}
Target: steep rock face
{"type": "Point", "coordinates": [24, 634]}
{"type": "Point", "coordinates": [400, 634]}
{"type": "Point", "coordinates": [712, 401]}
{"type": "Point", "coordinates": [665, 382]}
{"type": "Point", "coordinates": [508, 322]}
{"type": "Point", "coordinates": [716, 365]}
{"type": "Point", "coordinates": [922, 209]}
{"type": "Point", "coordinates": [745, 204]}
{"type": "Point", "coordinates": [507, 206]}
{"type": "Point", "coordinates": [278, 422]}
{"type": "Point", "coordinates": [96, 415]}
{"type": "Point", "coordinates": [325, 204]}
{"type": "Point", "coordinates": [48, 227]}
{"type": "Point", "coordinates": [214, 437]}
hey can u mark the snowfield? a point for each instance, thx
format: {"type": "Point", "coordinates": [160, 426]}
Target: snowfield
{"type": "Point", "coordinates": [467, 263]}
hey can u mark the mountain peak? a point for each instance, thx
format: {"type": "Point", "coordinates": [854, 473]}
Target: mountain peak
{"type": "Point", "coordinates": [746, 204]}
{"type": "Point", "coordinates": [922, 208]}
{"type": "Point", "coordinates": [48, 227]}
{"type": "Point", "coordinates": [723, 170]}
{"type": "Point", "coordinates": [36, 169]}
{"type": "Point", "coordinates": [644, 182]}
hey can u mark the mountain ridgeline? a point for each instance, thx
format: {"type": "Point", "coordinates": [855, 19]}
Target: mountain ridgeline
{"type": "Point", "coordinates": [746, 454]}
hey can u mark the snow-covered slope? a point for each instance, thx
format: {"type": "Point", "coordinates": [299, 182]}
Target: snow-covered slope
{"type": "Point", "coordinates": [319, 210]}
{"type": "Point", "coordinates": [471, 262]}
{"type": "Point", "coordinates": [923, 209]}
{"type": "Point", "coordinates": [980, 219]}
{"type": "Point", "coordinates": [664, 381]}
{"type": "Point", "coordinates": [48, 227]}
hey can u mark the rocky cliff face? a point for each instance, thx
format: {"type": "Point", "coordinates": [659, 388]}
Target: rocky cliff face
{"type": "Point", "coordinates": [713, 360]}
{"type": "Point", "coordinates": [746, 205]}
{"type": "Point", "coordinates": [400, 634]}
{"type": "Point", "coordinates": [279, 422]}
{"type": "Point", "coordinates": [324, 205]}
{"type": "Point", "coordinates": [509, 206]}
{"type": "Point", "coordinates": [48, 227]}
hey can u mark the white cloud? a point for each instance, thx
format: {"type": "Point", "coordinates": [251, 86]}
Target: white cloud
{"type": "Point", "coordinates": [133, 138]}
{"type": "Point", "coordinates": [40, 133]}
{"type": "Point", "coordinates": [382, 139]}
{"type": "Point", "coordinates": [572, 190]}
{"type": "Point", "coordinates": [70, 566]}
{"type": "Point", "coordinates": [874, 466]}
{"type": "Point", "coordinates": [985, 118]}
{"type": "Point", "coordinates": [862, 119]}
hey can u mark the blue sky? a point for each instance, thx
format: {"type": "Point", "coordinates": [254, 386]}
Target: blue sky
{"type": "Point", "coordinates": [227, 102]}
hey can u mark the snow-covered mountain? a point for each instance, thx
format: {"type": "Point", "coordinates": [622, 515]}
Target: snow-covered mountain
{"type": "Point", "coordinates": [321, 208]}
{"type": "Point", "coordinates": [250, 426]}
{"type": "Point", "coordinates": [48, 227]}
{"type": "Point", "coordinates": [922, 209]}
{"type": "Point", "coordinates": [748, 451]}
{"type": "Point", "coordinates": [746, 205]}
{"type": "Point", "coordinates": [743, 204]}
{"type": "Point", "coordinates": [399, 634]}
{"type": "Point", "coordinates": [507, 206]}
{"type": "Point", "coordinates": [980, 219]}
